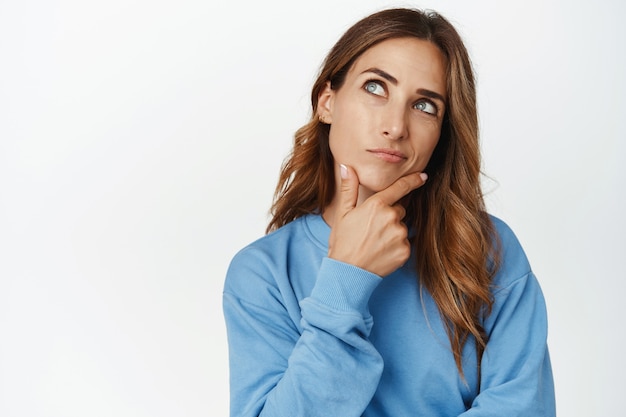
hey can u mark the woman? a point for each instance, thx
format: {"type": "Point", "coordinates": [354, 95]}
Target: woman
{"type": "Point", "coordinates": [384, 288]}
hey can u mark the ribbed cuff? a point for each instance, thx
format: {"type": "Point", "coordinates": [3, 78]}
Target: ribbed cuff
{"type": "Point", "coordinates": [344, 287]}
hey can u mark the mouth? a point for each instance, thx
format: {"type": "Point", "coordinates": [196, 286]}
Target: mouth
{"type": "Point", "coordinates": [388, 155]}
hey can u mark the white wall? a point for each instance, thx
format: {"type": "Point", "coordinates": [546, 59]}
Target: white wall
{"type": "Point", "coordinates": [140, 143]}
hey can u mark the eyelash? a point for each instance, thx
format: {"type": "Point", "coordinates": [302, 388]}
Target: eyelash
{"type": "Point", "coordinates": [427, 101]}
{"type": "Point", "coordinates": [377, 82]}
{"type": "Point", "coordinates": [418, 102]}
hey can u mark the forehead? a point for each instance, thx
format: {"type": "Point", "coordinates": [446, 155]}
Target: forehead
{"type": "Point", "coordinates": [410, 60]}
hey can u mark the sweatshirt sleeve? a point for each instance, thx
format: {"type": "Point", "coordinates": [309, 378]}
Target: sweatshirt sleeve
{"type": "Point", "coordinates": [516, 376]}
{"type": "Point", "coordinates": [324, 366]}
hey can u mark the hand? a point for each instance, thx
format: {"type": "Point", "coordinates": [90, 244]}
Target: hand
{"type": "Point", "coordinates": [372, 236]}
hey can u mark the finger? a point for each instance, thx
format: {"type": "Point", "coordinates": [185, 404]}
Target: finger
{"type": "Point", "coordinates": [401, 187]}
{"type": "Point", "coordinates": [348, 191]}
{"type": "Point", "coordinates": [400, 211]}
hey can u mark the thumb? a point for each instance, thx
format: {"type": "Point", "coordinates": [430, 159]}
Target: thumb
{"type": "Point", "coordinates": [349, 190]}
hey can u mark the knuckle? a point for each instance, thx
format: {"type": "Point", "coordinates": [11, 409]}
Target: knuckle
{"type": "Point", "coordinates": [392, 217]}
{"type": "Point", "coordinates": [389, 216]}
{"type": "Point", "coordinates": [405, 250]}
{"type": "Point", "coordinates": [401, 211]}
{"type": "Point", "coordinates": [401, 255]}
{"type": "Point", "coordinates": [401, 232]}
{"type": "Point", "coordinates": [376, 202]}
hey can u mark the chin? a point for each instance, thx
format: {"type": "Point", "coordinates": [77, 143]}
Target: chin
{"type": "Point", "coordinates": [376, 185]}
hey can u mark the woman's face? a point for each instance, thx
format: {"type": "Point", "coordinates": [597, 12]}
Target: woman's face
{"type": "Point", "coordinates": [385, 120]}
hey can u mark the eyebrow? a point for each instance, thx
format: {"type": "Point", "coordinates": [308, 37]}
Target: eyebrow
{"type": "Point", "coordinates": [431, 94]}
{"type": "Point", "coordinates": [393, 80]}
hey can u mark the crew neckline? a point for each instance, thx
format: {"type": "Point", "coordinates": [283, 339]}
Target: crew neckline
{"type": "Point", "coordinates": [318, 229]}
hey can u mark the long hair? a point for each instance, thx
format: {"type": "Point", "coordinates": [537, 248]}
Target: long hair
{"type": "Point", "coordinates": [458, 251]}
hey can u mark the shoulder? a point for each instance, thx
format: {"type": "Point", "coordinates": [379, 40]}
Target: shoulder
{"type": "Point", "coordinates": [518, 299]}
{"type": "Point", "coordinates": [514, 264]}
{"type": "Point", "coordinates": [267, 261]}
{"type": "Point", "coordinates": [265, 252]}
{"type": "Point", "coordinates": [276, 245]}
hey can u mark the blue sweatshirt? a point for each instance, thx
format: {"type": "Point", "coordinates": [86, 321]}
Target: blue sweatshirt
{"type": "Point", "coordinates": [311, 336]}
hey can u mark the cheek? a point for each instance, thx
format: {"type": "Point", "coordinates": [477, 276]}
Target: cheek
{"type": "Point", "coordinates": [339, 142]}
{"type": "Point", "coordinates": [429, 147]}
{"type": "Point", "coordinates": [424, 149]}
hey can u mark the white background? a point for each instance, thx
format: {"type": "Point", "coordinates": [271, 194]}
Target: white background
{"type": "Point", "coordinates": [140, 143]}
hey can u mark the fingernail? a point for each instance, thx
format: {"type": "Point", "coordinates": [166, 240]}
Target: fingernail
{"type": "Point", "coordinates": [344, 171]}
{"type": "Point", "coordinates": [424, 176]}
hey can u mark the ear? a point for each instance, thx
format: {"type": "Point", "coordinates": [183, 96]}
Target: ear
{"type": "Point", "coordinates": [325, 102]}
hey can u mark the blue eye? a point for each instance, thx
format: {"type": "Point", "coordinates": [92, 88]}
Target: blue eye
{"type": "Point", "coordinates": [374, 87]}
{"type": "Point", "coordinates": [426, 106]}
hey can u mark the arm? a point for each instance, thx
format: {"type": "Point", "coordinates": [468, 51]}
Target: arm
{"type": "Point", "coordinates": [516, 377]}
{"type": "Point", "coordinates": [325, 367]}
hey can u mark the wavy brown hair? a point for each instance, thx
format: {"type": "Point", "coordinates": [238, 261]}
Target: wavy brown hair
{"type": "Point", "coordinates": [455, 243]}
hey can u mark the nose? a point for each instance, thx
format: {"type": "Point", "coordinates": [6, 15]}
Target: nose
{"type": "Point", "coordinates": [394, 124]}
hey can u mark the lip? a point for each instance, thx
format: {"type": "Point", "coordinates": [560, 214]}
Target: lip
{"type": "Point", "coordinates": [388, 155]}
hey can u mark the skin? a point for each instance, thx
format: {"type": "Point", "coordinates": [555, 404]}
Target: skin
{"type": "Point", "coordinates": [385, 122]}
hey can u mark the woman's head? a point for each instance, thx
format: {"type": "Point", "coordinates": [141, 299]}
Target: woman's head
{"type": "Point", "coordinates": [308, 176]}
{"type": "Point", "coordinates": [385, 119]}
